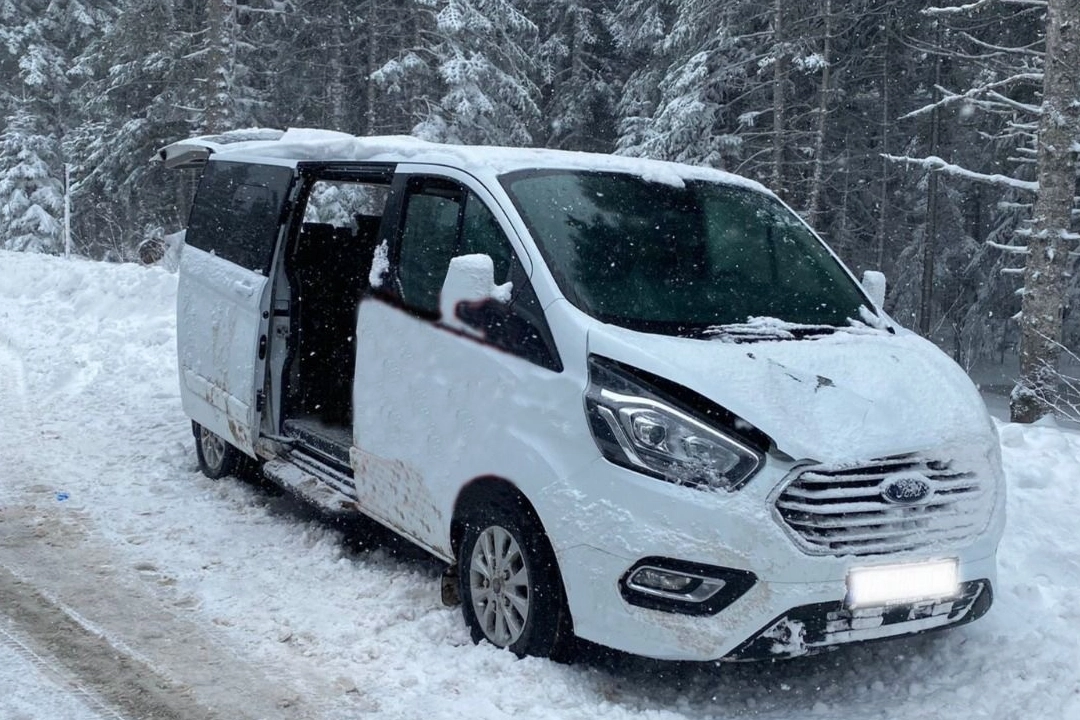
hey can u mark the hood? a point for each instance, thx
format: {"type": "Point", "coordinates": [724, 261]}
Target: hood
{"type": "Point", "coordinates": [839, 398]}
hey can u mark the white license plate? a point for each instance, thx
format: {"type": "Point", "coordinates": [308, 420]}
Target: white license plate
{"type": "Point", "coordinates": [893, 584]}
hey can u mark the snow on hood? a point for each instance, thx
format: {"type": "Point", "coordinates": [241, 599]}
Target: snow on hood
{"type": "Point", "coordinates": [838, 398]}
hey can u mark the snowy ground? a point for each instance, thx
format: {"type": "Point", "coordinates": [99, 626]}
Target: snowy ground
{"type": "Point", "coordinates": [131, 586]}
{"type": "Point", "coordinates": [33, 687]}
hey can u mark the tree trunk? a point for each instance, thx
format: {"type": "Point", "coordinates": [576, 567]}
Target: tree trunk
{"type": "Point", "coordinates": [1048, 250]}
{"type": "Point", "coordinates": [780, 70]}
{"type": "Point", "coordinates": [336, 87]}
{"type": "Point", "coordinates": [886, 121]}
{"type": "Point", "coordinates": [816, 189]}
{"type": "Point", "coordinates": [929, 250]}
{"type": "Point", "coordinates": [371, 30]}
{"type": "Point", "coordinates": [219, 72]}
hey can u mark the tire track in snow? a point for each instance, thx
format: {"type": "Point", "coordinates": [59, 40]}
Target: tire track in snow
{"type": "Point", "coordinates": [74, 607]}
{"type": "Point", "coordinates": [56, 674]}
{"type": "Point", "coordinates": [108, 679]}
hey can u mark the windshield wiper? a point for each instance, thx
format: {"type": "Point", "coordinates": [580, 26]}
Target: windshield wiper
{"type": "Point", "coordinates": [764, 329]}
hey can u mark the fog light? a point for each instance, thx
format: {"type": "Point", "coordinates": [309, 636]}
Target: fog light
{"type": "Point", "coordinates": [661, 580]}
{"type": "Point", "coordinates": [686, 588]}
{"type": "Point", "coordinates": [674, 585]}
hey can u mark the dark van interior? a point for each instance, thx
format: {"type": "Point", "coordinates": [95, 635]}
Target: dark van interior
{"type": "Point", "coordinates": [327, 267]}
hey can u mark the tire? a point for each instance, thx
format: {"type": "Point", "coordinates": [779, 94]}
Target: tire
{"type": "Point", "coordinates": [511, 591]}
{"type": "Point", "coordinates": [217, 458]}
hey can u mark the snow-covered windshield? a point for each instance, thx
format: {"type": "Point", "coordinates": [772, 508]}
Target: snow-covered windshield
{"type": "Point", "coordinates": [680, 259]}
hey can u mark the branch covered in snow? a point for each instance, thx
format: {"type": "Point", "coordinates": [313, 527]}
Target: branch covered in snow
{"type": "Point", "coordinates": [1023, 107]}
{"type": "Point", "coordinates": [1011, 249]}
{"type": "Point", "coordinates": [936, 163]}
{"type": "Point", "coordinates": [978, 5]}
{"type": "Point", "coordinates": [951, 98]}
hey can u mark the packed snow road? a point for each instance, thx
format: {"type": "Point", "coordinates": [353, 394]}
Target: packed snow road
{"type": "Point", "coordinates": [131, 586]}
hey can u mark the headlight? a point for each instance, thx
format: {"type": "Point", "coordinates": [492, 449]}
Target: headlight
{"type": "Point", "coordinates": [638, 427]}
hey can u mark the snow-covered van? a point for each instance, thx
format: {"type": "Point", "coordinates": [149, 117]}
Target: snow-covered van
{"type": "Point", "coordinates": [635, 402]}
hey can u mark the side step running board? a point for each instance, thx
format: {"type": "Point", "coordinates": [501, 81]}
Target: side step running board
{"type": "Point", "coordinates": [314, 481]}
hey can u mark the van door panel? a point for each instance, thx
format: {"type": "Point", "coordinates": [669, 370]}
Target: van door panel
{"type": "Point", "coordinates": [219, 323]}
{"type": "Point", "coordinates": [223, 295]}
{"type": "Point", "coordinates": [434, 409]}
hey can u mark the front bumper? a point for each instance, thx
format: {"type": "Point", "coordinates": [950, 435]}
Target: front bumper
{"type": "Point", "coordinates": [794, 607]}
{"type": "Point", "coordinates": [771, 620]}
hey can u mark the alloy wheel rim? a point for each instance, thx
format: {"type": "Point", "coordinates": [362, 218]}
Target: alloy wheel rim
{"type": "Point", "coordinates": [499, 584]}
{"type": "Point", "coordinates": [213, 448]}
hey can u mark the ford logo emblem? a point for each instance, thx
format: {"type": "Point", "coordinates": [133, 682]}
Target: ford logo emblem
{"type": "Point", "coordinates": [906, 488]}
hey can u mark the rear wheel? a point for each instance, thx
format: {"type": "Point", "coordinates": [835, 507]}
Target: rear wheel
{"type": "Point", "coordinates": [511, 591]}
{"type": "Point", "coordinates": [217, 458]}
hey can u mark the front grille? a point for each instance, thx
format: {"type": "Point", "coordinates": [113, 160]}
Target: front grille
{"type": "Point", "coordinates": [843, 510]}
{"type": "Point", "coordinates": [814, 628]}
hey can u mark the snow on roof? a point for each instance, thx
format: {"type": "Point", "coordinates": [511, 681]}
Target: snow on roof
{"type": "Point", "coordinates": [305, 144]}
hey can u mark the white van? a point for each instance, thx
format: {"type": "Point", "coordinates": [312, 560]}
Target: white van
{"type": "Point", "coordinates": [635, 402]}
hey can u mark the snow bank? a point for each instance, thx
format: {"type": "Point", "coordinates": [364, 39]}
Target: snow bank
{"type": "Point", "coordinates": [92, 438]}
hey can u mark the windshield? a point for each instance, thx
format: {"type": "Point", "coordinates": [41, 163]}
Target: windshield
{"type": "Point", "coordinates": [680, 260]}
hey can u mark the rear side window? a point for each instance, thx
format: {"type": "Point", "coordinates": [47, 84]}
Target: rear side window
{"type": "Point", "coordinates": [236, 212]}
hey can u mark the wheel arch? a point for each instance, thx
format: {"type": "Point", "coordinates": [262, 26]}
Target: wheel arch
{"type": "Point", "coordinates": [488, 490]}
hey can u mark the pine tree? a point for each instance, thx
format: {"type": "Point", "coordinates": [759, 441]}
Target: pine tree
{"type": "Point", "coordinates": [484, 52]}
{"type": "Point", "coordinates": [1052, 235]}
{"type": "Point", "coordinates": [1026, 94]}
{"type": "Point", "coordinates": [38, 41]}
{"type": "Point", "coordinates": [141, 95]}
{"type": "Point", "coordinates": [31, 196]}
{"type": "Point", "coordinates": [579, 83]}
{"type": "Point", "coordinates": [678, 104]}
{"type": "Point", "coordinates": [162, 71]}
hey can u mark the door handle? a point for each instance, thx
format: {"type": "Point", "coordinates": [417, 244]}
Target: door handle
{"type": "Point", "coordinates": [242, 288]}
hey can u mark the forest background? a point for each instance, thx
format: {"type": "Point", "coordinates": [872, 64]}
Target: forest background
{"type": "Point", "coordinates": [905, 133]}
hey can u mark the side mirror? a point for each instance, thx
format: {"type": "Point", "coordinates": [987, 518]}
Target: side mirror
{"type": "Point", "coordinates": [873, 282]}
{"type": "Point", "coordinates": [470, 282]}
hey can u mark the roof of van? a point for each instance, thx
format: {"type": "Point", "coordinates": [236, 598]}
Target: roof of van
{"type": "Point", "coordinates": [302, 144]}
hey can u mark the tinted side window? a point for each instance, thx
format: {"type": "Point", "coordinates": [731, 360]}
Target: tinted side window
{"type": "Point", "coordinates": [236, 212]}
{"type": "Point", "coordinates": [443, 220]}
{"type": "Point", "coordinates": [480, 233]}
{"type": "Point", "coordinates": [429, 239]}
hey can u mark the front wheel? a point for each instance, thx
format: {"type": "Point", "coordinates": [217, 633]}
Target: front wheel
{"type": "Point", "coordinates": [511, 591]}
{"type": "Point", "coordinates": [217, 458]}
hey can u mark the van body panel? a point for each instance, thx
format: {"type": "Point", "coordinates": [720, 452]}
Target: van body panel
{"type": "Point", "coordinates": [223, 295]}
{"type": "Point", "coordinates": [435, 409]}
{"type": "Point", "coordinates": [602, 615]}
{"type": "Point", "coordinates": [219, 322]}
{"type": "Point", "coordinates": [604, 518]}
